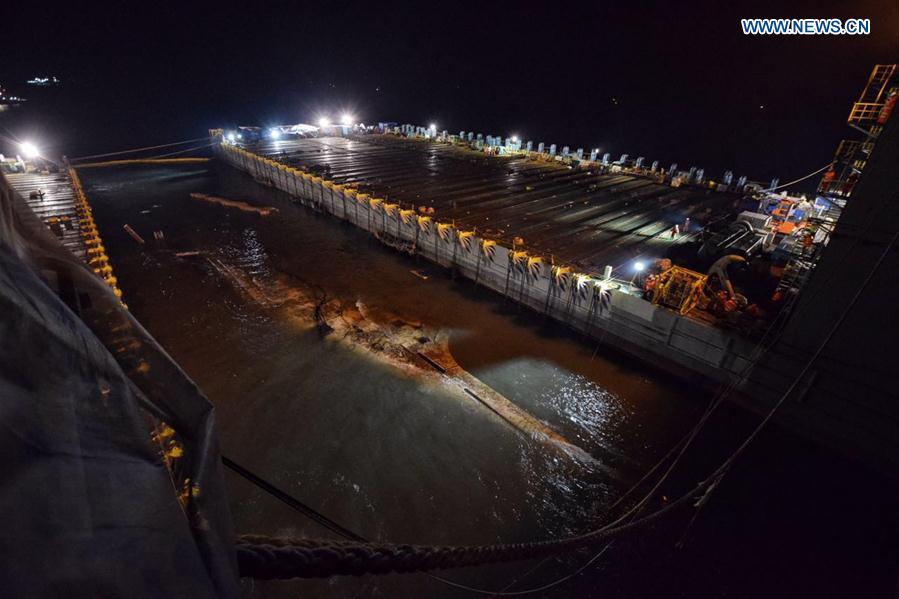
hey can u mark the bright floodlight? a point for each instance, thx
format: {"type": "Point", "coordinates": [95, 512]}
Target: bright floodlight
{"type": "Point", "coordinates": [275, 133]}
{"type": "Point", "coordinates": [323, 122]}
{"type": "Point", "coordinates": [231, 136]}
{"type": "Point", "coordinates": [639, 266]}
{"type": "Point", "coordinates": [514, 139]}
{"type": "Point", "coordinates": [346, 119]}
{"type": "Point", "coordinates": [30, 150]}
{"type": "Point", "coordinates": [433, 126]}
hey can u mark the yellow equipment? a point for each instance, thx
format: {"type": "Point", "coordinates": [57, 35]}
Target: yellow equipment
{"type": "Point", "coordinates": [679, 288]}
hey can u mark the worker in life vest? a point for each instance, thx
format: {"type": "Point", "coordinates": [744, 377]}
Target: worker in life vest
{"type": "Point", "coordinates": [724, 303]}
{"type": "Point", "coordinates": [887, 109]}
{"type": "Point", "coordinates": [828, 178]}
{"type": "Point", "coordinates": [807, 240]}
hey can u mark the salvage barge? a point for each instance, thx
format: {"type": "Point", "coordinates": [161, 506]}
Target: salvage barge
{"type": "Point", "coordinates": [418, 192]}
{"type": "Point", "coordinates": [568, 234]}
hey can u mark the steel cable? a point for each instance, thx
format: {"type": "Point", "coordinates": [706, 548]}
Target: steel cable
{"type": "Point", "coordinates": [135, 150]}
{"type": "Point", "coordinates": [200, 147]}
{"type": "Point", "coordinates": [800, 179]}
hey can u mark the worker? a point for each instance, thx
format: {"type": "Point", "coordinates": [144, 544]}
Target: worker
{"type": "Point", "coordinates": [807, 239]}
{"type": "Point", "coordinates": [828, 178]}
{"type": "Point", "coordinates": [887, 109]}
{"type": "Point", "coordinates": [849, 183]}
{"type": "Point", "coordinates": [686, 225]}
{"type": "Point", "coordinates": [674, 231]}
{"type": "Point", "coordinates": [724, 303]}
{"type": "Point", "coordinates": [661, 265]}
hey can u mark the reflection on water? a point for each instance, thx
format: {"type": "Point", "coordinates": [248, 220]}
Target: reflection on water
{"type": "Point", "coordinates": [249, 254]}
{"type": "Point", "coordinates": [587, 414]}
{"type": "Point", "coordinates": [390, 455]}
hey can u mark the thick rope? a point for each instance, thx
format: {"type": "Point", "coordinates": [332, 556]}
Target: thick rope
{"type": "Point", "coordinates": [262, 557]}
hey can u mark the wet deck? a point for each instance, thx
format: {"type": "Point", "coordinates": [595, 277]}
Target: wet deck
{"type": "Point", "coordinates": [58, 202]}
{"type": "Point", "coordinates": [574, 215]}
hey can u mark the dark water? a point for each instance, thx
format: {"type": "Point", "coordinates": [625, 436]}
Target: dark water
{"type": "Point", "coordinates": [401, 459]}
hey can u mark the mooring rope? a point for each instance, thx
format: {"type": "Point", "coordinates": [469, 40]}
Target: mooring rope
{"type": "Point", "coordinates": [264, 557]}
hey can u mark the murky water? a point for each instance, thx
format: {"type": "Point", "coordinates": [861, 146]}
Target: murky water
{"type": "Point", "coordinates": [390, 455]}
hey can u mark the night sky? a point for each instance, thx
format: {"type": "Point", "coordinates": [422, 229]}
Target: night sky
{"type": "Point", "coordinates": [674, 81]}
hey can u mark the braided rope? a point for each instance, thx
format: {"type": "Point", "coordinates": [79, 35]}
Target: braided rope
{"type": "Point", "coordinates": [263, 557]}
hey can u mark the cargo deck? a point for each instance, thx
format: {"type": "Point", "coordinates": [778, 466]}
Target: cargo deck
{"type": "Point", "coordinates": [569, 215]}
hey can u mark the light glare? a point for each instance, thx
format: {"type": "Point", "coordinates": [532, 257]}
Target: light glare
{"type": "Point", "coordinates": [30, 150]}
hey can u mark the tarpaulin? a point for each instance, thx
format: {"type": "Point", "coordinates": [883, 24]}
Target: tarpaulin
{"type": "Point", "coordinates": [90, 507]}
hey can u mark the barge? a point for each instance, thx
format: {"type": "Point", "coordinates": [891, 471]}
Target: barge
{"type": "Point", "coordinates": [570, 234]}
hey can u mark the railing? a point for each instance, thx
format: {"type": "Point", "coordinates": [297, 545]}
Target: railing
{"type": "Point", "coordinates": [864, 111]}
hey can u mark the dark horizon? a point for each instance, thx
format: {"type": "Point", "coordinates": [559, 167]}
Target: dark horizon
{"type": "Point", "coordinates": [672, 84]}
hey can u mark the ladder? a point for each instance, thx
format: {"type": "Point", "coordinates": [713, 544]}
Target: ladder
{"type": "Point", "coordinates": [864, 113]}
